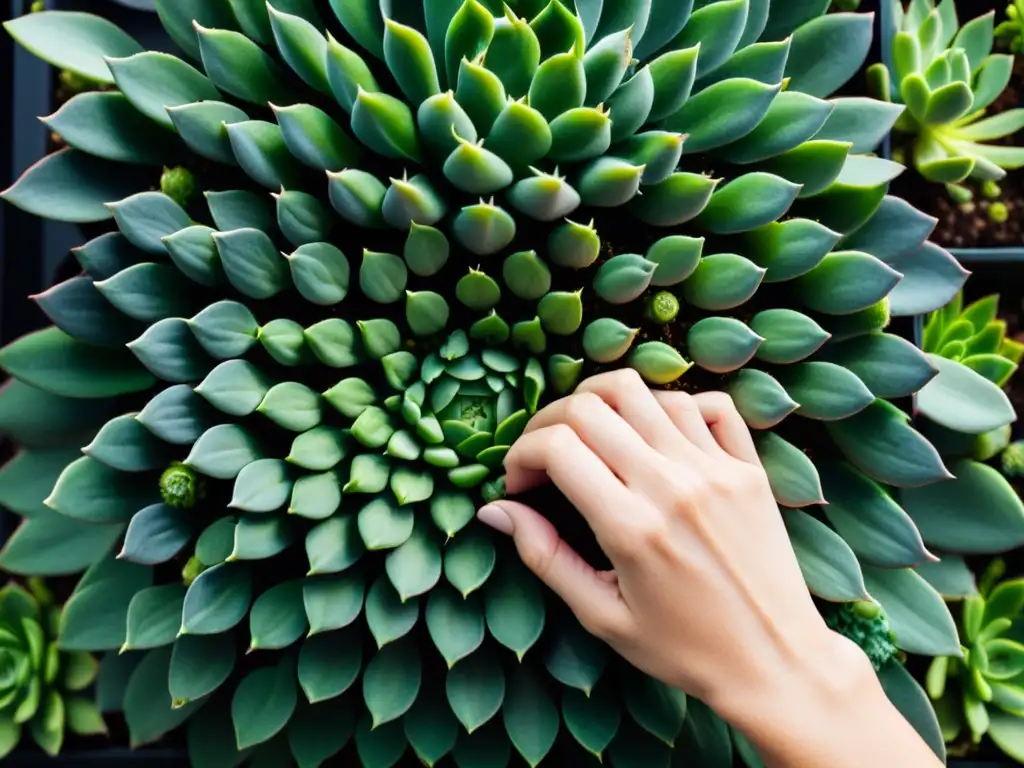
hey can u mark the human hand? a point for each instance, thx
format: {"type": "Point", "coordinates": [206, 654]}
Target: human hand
{"type": "Point", "coordinates": [674, 491]}
{"type": "Point", "coordinates": [705, 593]}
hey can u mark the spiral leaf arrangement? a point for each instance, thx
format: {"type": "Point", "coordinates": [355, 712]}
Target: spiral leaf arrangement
{"type": "Point", "coordinates": [418, 224]}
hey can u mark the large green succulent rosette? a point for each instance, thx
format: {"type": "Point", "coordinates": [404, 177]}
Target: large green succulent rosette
{"type": "Point", "coordinates": [418, 225]}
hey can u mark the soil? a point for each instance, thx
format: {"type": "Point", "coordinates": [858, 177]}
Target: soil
{"type": "Point", "coordinates": [968, 225]}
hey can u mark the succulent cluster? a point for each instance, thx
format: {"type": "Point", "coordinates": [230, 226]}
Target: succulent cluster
{"type": "Point", "coordinates": [982, 693]}
{"type": "Point", "coordinates": [417, 224]}
{"type": "Point", "coordinates": [41, 687]}
{"type": "Point", "coordinates": [947, 76]}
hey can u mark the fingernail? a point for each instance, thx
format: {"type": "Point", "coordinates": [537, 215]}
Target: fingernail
{"type": "Point", "coordinates": [496, 517]}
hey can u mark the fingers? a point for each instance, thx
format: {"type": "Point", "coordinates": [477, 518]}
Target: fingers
{"type": "Point", "coordinates": [594, 597]}
{"type": "Point", "coordinates": [604, 432]}
{"type": "Point", "coordinates": [728, 427]}
{"type": "Point", "coordinates": [684, 412]}
{"type": "Point", "coordinates": [557, 453]}
{"type": "Point", "coordinates": [634, 401]}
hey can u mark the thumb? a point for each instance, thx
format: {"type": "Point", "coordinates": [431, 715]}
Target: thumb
{"type": "Point", "coordinates": [594, 598]}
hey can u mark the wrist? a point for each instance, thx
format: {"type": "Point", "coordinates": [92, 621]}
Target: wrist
{"type": "Point", "coordinates": [819, 710]}
{"type": "Point", "coordinates": [830, 681]}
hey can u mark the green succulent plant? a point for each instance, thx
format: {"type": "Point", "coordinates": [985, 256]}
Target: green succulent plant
{"type": "Point", "coordinates": [982, 693]}
{"type": "Point", "coordinates": [947, 76]}
{"type": "Point", "coordinates": [41, 686]}
{"type": "Point", "coordinates": [1011, 31]}
{"type": "Point", "coordinates": [418, 224]}
{"type": "Point", "coordinates": [967, 342]}
{"type": "Point", "coordinates": [975, 336]}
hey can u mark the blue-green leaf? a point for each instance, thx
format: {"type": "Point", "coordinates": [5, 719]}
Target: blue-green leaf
{"type": "Point", "coordinates": [80, 42]}
{"type": "Point", "coordinates": [917, 615]}
{"type": "Point", "coordinates": [880, 442]}
{"type": "Point", "coordinates": [72, 186]}
{"type": "Point", "coordinates": [828, 564]}
{"type": "Point", "coordinates": [828, 51]}
{"type": "Point", "coordinates": [963, 400]}
{"type": "Point", "coordinates": [252, 262]}
{"type": "Point", "coordinates": [170, 352]}
{"type": "Point", "coordinates": [54, 362]}
{"type": "Point", "coordinates": [978, 512]}
{"type": "Point", "coordinates": [106, 125]}
{"type": "Point", "coordinates": [869, 519]}
{"type": "Point", "coordinates": [154, 81]}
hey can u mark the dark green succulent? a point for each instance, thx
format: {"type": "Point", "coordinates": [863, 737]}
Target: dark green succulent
{"type": "Point", "coordinates": [41, 687]}
{"type": "Point", "coordinates": [418, 224]}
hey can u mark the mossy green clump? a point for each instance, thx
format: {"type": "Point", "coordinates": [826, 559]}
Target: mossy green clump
{"type": "Point", "coordinates": [75, 83]}
{"type": "Point", "coordinates": [866, 625]}
{"type": "Point", "coordinates": [1013, 459]}
{"type": "Point", "coordinates": [180, 487]}
{"type": "Point", "coordinates": [178, 184]}
{"type": "Point", "coordinates": [662, 307]}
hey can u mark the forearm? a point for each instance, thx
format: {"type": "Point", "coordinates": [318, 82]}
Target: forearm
{"type": "Point", "coordinates": [831, 712]}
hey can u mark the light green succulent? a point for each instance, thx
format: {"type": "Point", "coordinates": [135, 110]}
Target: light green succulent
{"type": "Point", "coordinates": [418, 224]}
{"type": "Point", "coordinates": [947, 76]}
{"type": "Point", "coordinates": [982, 693]}
{"type": "Point", "coordinates": [1011, 31]}
{"type": "Point", "coordinates": [41, 687]}
{"type": "Point", "coordinates": [975, 336]}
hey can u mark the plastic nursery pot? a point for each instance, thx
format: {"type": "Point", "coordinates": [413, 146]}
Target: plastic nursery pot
{"type": "Point", "coordinates": [991, 217]}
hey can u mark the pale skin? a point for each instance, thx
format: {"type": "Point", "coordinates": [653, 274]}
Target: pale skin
{"type": "Point", "coordinates": [705, 592]}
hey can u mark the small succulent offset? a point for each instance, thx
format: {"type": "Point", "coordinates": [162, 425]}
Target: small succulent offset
{"type": "Point", "coordinates": [40, 685]}
{"type": "Point", "coordinates": [387, 233]}
{"type": "Point", "coordinates": [1011, 31]}
{"type": "Point", "coordinates": [982, 693]}
{"type": "Point", "coordinates": [947, 76]}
